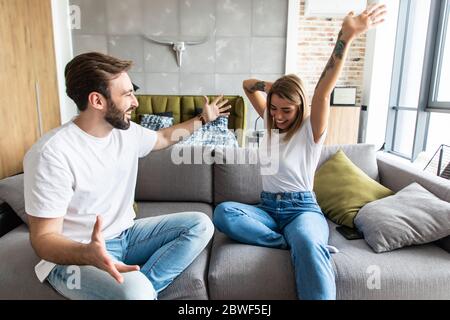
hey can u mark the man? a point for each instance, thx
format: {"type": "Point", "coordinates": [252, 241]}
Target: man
{"type": "Point", "coordinates": [79, 192]}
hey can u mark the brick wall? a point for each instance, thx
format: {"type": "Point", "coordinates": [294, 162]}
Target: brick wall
{"type": "Point", "coordinates": [317, 38]}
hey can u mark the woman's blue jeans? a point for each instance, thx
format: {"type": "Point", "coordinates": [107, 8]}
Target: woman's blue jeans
{"type": "Point", "coordinates": [286, 220]}
{"type": "Point", "coordinates": [163, 246]}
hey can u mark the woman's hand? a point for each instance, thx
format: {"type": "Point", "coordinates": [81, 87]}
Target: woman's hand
{"type": "Point", "coordinates": [368, 19]}
{"type": "Point", "coordinates": [351, 28]}
{"type": "Point", "coordinates": [217, 108]}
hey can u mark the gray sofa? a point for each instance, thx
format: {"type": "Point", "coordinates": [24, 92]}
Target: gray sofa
{"type": "Point", "coordinates": [230, 270]}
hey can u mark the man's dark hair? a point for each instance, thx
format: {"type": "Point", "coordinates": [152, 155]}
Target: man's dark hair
{"type": "Point", "coordinates": [91, 72]}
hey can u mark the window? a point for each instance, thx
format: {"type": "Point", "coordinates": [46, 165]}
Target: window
{"type": "Point", "coordinates": [438, 132]}
{"type": "Point", "coordinates": [405, 127]}
{"type": "Point", "coordinates": [410, 51]}
{"type": "Point", "coordinates": [440, 96]}
{"type": "Point", "coordinates": [413, 54]}
{"type": "Point", "coordinates": [420, 79]}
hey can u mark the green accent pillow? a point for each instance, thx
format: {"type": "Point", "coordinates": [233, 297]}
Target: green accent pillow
{"type": "Point", "coordinates": [342, 189]}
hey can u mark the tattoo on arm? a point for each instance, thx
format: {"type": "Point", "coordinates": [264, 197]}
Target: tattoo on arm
{"type": "Point", "coordinates": [258, 86]}
{"type": "Point", "coordinates": [338, 53]}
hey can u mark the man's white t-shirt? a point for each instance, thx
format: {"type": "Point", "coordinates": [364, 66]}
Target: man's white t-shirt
{"type": "Point", "coordinates": [296, 160]}
{"type": "Point", "coordinates": [69, 173]}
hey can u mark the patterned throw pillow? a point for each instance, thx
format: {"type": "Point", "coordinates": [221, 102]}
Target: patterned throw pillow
{"type": "Point", "coordinates": [214, 133]}
{"type": "Point", "coordinates": [155, 122]}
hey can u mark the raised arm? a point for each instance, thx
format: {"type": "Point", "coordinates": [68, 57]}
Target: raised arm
{"type": "Point", "coordinates": [211, 111]}
{"type": "Point", "coordinates": [254, 89]}
{"type": "Point", "coordinates": [352, 27]}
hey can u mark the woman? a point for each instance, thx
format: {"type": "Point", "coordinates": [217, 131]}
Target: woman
{"type": "Point", "coordinates": [288, 215]}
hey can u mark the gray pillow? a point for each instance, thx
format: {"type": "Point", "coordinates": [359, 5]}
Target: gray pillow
{"type": "Point", "coordinates": [410, 217]}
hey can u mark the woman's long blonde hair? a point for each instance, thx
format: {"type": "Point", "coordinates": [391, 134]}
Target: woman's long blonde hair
{"type": "Point", "coordinates": [290, 88]}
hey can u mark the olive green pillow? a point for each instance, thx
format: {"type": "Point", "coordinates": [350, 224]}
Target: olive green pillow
{"type": "Point", "coordinates": [342, 189]}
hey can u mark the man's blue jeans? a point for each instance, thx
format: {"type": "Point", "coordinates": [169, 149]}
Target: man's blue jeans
{"type": "Point", "coordinates": [281, 221]}
{"type": "Point", "coordinates": [163, 246]}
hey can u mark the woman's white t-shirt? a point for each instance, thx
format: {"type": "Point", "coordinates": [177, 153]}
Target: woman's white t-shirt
{"type": "Point", "coordinates": [293, 163]}
{"type": "Point", "coordinates": [69, 173]}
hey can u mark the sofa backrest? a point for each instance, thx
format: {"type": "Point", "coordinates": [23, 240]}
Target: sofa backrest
{"type": "Point", "coordinates": [242, 183]}
{"type": "Point", "coordinates": [212, 177]}
{"type": "Point", "coordinates": [183, 108]}
{"type": "Point", "coordinates": [237, 176]}
{"type": "Point", "coordinates": [175, 174]}
{"type": "Point", "coordinates": [362, 155]}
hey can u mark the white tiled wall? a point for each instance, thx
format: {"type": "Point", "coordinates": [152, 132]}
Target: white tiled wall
{"type": "Point", "coordinates": [246, 38]}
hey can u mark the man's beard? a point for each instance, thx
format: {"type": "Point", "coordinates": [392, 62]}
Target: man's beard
{"type": "Point", "coordinates": [115, 117]}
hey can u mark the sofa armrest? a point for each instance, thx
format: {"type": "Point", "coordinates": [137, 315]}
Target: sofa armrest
{"type": "Point", "coordinates": [395, 175]}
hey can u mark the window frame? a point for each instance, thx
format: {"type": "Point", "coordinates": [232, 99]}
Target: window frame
{"type": "Point", "coordinates": [444, 16]}
{"type": "Point", "coordinates": [438, 20]}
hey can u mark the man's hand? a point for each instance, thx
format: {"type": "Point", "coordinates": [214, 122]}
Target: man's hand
{"type": "Point", "coordinates": [368, 19]}
{"type": "Point", "coordinates": [215, 109]}
{"type": "Point", "coordinates": [99, 257]}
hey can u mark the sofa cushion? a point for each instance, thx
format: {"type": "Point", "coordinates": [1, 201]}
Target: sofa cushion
{"type": "Point", "coordinates": [236, 271]}
{"type": "Point", "coordinates": [237, 176]}
{"type": "Point", "coordinates": [165, 176]}
{"type": "Point", "coordinates": [410, 217]}
{"type": "Point", "coordinates": [342, 189]}
{"type": "Point", "coordinates": [153, 209]}
{"type": "Point", "coordinates": [12, 192]}
{"type": "Point", "coordinates": [192, 283]}
{"type": "Point", "coordinates": [416, 272]}
{"type": "Point", "coordinates": [240, 271]}
{"type": "Point", "coordinates": [17, 278]}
